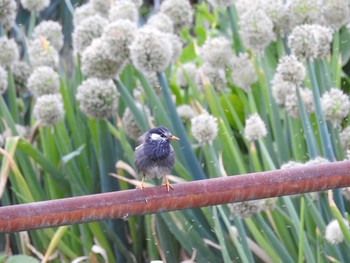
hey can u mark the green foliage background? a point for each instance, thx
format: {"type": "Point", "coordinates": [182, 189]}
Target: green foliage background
{"type": "Point", "coordinates": [76, 156]}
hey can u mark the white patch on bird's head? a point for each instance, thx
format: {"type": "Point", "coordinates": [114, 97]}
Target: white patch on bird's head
{"type": "Point", "coordinates": [157, 137]}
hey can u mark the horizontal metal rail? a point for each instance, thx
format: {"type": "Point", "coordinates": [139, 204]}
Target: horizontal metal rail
{"type": "Point", "coordinates": [121, 204]}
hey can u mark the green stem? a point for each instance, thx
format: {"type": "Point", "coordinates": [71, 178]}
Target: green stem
{"type": "Point", "coordinates": [255, 158]}
{"type": "Point", "coordinates": [190, 158]}
{"type": "Point", "coordinates": [297, 141]}
{"type": "Point", "coordinates": [336, 67]}
{"type": "Point", "coordinates": [212, 161]}
{"type": "Point", "coordinates": [106, 157]}
{"type": "Point", "coordinates": [324, 134]}
{"type": "Point", "coordinates": [232, 17]}
{"type": "Point", "coordinates": [274, 113]}
{"type": "Point", "coordinates": [32, 22]}
{"type": "Point", "coordinates": [267, 160]}
{"type": "Point", "coordinates": [228, 139]}
{"type": "Point", "coordinates": [220, 236]}
{"type": "Point", "coordinates": [129, 100]}
{"type": "Point", "coordinates": [301, 230]}
{"type": "Point", "coordinates": [11, 91]}
{"type": "Point", "coordinates": [233, 112]}
{"type": "Point", "coordinates": [307, 127]}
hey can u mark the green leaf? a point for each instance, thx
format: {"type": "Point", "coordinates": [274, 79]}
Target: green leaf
{"type": "Point", "coordinates": [65, 159]}
{"type": "Point", "coordinates": [21, 259]}
{"type": "Point", "coordinates": [169, 246]}
{"type": "Point", "coordinates": [233, 109]}
{"type": "Point", "coordinates": [188, 53]}
{"type": "Point", "coordinates": [220, 236]}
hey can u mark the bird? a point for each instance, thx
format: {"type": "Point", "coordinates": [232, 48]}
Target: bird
{"type": "Point", "coordinates": [154, 156]}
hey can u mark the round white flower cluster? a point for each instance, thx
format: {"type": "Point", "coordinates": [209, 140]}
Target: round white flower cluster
{"type": "Point", "coordinates": [204, 128]}
{"type": "Point", "coordinates": [310, 41]}
{"type": "Point", "coordinates": [48, 109]}
{"type": "Point", "coordinates": [51, 31]}
{"type": "Point", "coordinates": [97, 98]}
{"type": "Point", "coordinates": [335, 105]}
{"type": "Point", "coordinates": [255, 128]}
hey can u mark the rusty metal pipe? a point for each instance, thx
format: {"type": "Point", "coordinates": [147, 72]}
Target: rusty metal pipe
{"type": "Point", "coordinates": [76, 210]}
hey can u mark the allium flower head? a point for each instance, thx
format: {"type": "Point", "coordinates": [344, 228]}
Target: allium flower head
{"type": "Point", "coordinates": [335, 105]}
{"type": "Point", "coordinates": [243, 6]}
{"type": "Point", "coordinates": [96, 61]}
{"type": "Point", "coordinates": [336, 13]}
{"type": "Point", "coordinates": [3, 80]}
{"type": "Point", "coordinates": [7, 13]}
{"type": "Point", "coordinates": [42, 53]}
{"type": "Point", "coordinates": [21, 72]}
{"type": "Point", "coordinates": [176, 45]}
{"type": "Point", "coordinates": [256, 30]}
{"type": "Point", "coordinates": [151, 51]}
{"type": "Point", "coordinates": [125, 10]}
{"type": "Point", "coordinates": [292, 106]}
{"type": "Point", "coordinates": [35, 5]}
{"type": "Point", "coordinates": [247, 209]}
{"type": "Point", "coordinates": [81, 13]}
{"type": "Point", "coordinates": [324, 36]}
{"type": "Point", "coordinates": [101, 6]}
{"type": "Point", "coordinates": [281, 88]}
{"type": "Point", "coordinates": [291, 164]}
{"type": "Point", "coordinates": [217, 51]}
{"type": "Point", "coordinates": [97, 98]}
{"type": "Point", "coordinates": [161, 22]}
{"type": "Point", "coordinates": [344, 137]}
{"type": "Point", "coordinates": [8, 51]}
{"type": "Point", "coordinates": [216, 76]}
{"type": "Point", "coordinates": [316, 161]}
{"type": "Point", "coordinates": [88, 30]}
{"type": "Point", "coordinates": [290, 69]}
{"type": "Point", "coordinates": [137, 3]}
{"type": "Point", "coordinates": [334, 234]}
{"type": "Point", "coordinates": [43, 80]}
{"type": "Point", "coordinates": [179, 11]}
{"type": "Point", "coordinates": [276, 10]}
{"type": "Point", "coordinates": [48, 109]}
{"type": "Point", "coordinates": [130, 126]}
{"type": "Point", "coordinates": [51, 31]}
{"type": "Point", "coordinates": [303, 42]}
{"type": "Point", "coordinates": [304, 12]}
{"type": "Point", "coordinates": [185, 112]}
{"type": "Point", "coordinates": [204, 128]}
{"type": "Point", "coordinates": [243, 72]}
{"type": "Point", "coordinates": [117, 37]}
{"type": "Point", "coordinates": [186, 71]}
{"type": "Point", "coordinates": [255, 128]}
{"type": "Point", "coordinates": [221, 3]}
{"type": "Point", "coordinates": [310, 41]}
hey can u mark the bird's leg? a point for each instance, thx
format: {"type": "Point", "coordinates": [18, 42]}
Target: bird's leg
{"type": "Point", "coordinates": [167, 184]}
{"type": "Point", "coordinates": [143, 182]}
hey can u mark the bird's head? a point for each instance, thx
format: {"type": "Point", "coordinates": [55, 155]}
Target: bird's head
{"type": "Point", "coordinates": [160, 134]}
{"type": "Point", "coordinates": [157, 143]}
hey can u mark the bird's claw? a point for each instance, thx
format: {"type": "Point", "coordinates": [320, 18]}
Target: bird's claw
{"type": "Point", "coordinates": [167, 184]}
{"type": "Point", "coordinates": [142, 185]}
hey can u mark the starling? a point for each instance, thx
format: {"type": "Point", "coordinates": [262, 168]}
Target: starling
{"type": "Point", "coordinates": [154, 156]}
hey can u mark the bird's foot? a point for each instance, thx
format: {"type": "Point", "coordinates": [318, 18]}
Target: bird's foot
{"type": "Point", "coordinates": [167, 184]}
{"type": "Point", "coordinates": [142, 185]}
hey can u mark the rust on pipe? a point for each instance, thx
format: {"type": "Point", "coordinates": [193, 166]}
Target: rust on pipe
{"type": "Point", "coordinates": [208, 192]}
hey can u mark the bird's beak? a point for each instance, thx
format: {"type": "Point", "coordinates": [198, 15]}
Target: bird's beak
{"type": "Point", "coordinates": [174, 138]}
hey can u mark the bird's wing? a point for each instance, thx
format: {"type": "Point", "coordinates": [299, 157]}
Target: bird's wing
{"type": "Point", "coordinates": [141, 140]}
